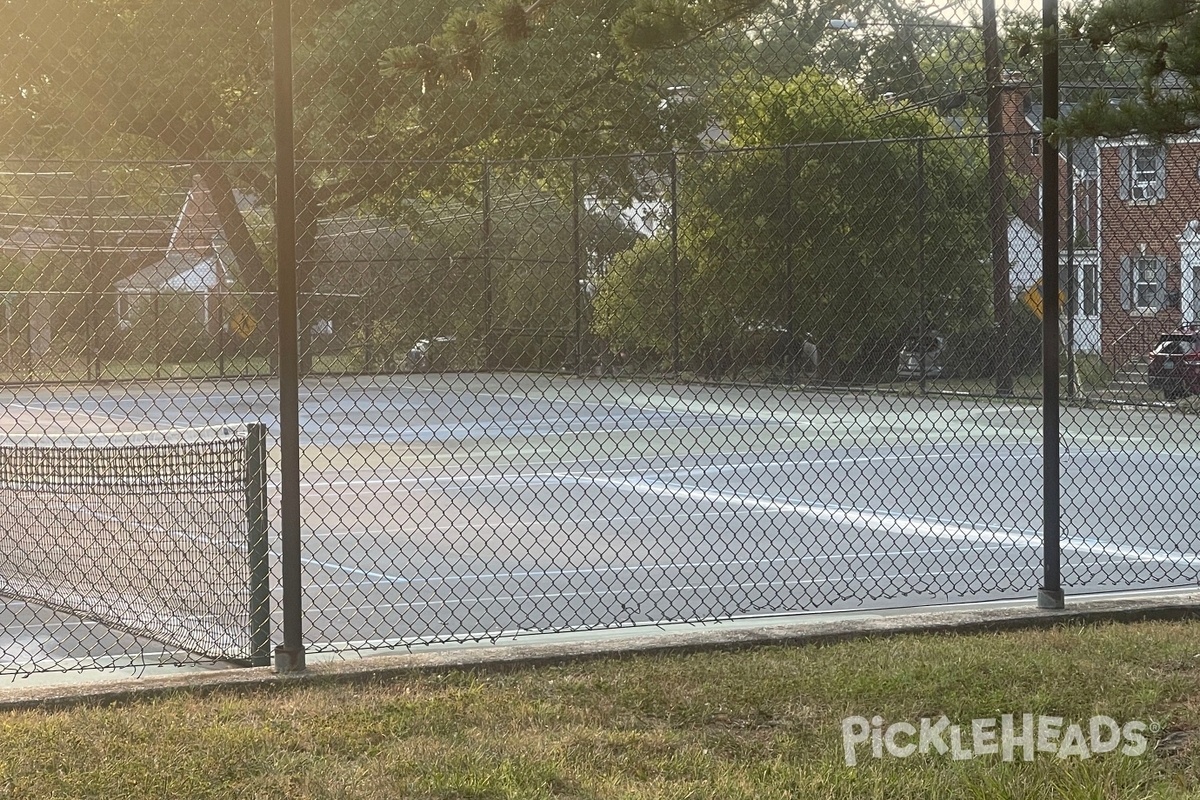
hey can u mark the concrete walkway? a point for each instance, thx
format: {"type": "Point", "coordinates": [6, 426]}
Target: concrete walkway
{"type": "Point", "coordinates": [104, 687]}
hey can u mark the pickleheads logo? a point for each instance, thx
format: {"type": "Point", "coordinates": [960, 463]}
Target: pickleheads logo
{"type": "Point", "coordinates": [1008, 736]}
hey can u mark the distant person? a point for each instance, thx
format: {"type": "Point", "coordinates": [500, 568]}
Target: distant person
{"type": "Point", "coordinates": [811, 359]}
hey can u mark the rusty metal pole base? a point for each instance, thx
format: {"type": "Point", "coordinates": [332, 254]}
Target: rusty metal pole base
{"type": "Point", "coordinates": [289, 659]}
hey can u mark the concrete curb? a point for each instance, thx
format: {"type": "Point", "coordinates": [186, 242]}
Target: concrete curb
{"type": "Point", "coordinates": [805, 631]}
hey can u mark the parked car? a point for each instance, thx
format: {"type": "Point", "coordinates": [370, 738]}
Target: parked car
{"type": "Point", "coordinates": [1174, 366]}
{"type": "Point", "coordinates": [922, 356]}
{"type": "Point", "coordinates": [431, 354]}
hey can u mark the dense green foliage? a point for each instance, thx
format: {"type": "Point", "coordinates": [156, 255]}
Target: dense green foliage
{"type": "Point", "coordinates": [1151, 49]}
{"type": "Point", "coordinates": [397, 106]}
{"type": "Point", "coordinates": [797, 235]}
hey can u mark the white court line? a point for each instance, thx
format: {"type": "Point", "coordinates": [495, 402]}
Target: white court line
{"type": "Point", "coordinates": [871, 521]}
{"type": "Point", "coordinates": [617, 568]}
{"type": "Point", "coordinates": [513, 477]}
{"type": "Point", "coordinates": [674, 589]}
{"type": "Point", "coordinates": [877, 523]}
{"type": "Point", "coordinates": [405, 435]}
{"type": "Point", "coordinates": [996, 452]}
{"type": "Point", "coordinates": [482, 527]}
{"type": "Point", "coordinates": [672, 405]}
{"type": "Point", "coordinates": [615, 406]}
{"type": "Point", "coordinates": [635, 568]}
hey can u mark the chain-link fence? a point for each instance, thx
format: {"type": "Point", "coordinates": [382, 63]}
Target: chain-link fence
{"type": "Point", "coordinates": [604, 316]}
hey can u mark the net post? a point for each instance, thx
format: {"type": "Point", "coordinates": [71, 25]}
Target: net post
{"type": "Point", "coordinates": [258, 548]}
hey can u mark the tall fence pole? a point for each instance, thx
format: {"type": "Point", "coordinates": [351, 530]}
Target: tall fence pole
{"type": "Point", "coordinates": [1050, 595]}
{"type": "Point", "coordinates": [922, 322]}
{"type": "Point", "coordinates": [676, 280]}
{"type": "Point", "coordinates": [220, 314]}
{"type": "Point", "coordinates": [368, 326]}
{"type": "Point", "coordinates": [577, 265]}
{"type": "Point", "coordinates": [790, 352]}
{"type": "Point", "coordinates": [92, 301]}
{"type": "Point", "coordinates": [156, 333]}
{"type": "Point", "coordinates": [489, 300]}
{"type": "Point", "coordinates": [289, 657]}
{"type": "Point", "coordinates": [1072, 286]}
{"type": "Point", "coordinates": [9, 322]}
{"type": "Point", "coordinates": [997, 200]}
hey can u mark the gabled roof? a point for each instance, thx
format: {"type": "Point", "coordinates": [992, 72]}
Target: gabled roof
{"type": "Point", "coordinates": [195, 259]}
{"type": "Point", "coordinates": [179, 272]}
{"type": "Point", "coordinates": [198, 224]}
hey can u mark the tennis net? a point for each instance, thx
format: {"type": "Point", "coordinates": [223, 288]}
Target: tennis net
{"type": "Point", "coordinates": [158, 534]}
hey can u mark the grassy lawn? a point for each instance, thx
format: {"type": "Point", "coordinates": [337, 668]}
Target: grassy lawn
{"type": "Point", "coordinates": [762, 723]}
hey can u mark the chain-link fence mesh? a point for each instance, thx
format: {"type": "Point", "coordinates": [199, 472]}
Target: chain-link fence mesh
{"type": "Point", "coordinates": [608, 315]}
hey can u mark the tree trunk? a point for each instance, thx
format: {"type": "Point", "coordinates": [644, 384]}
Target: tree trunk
{"type": "Point", "coordinates": [308, 210]}
{"type": "Point", "coordinates": [251, 268]}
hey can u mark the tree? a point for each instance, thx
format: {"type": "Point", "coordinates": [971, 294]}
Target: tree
{"type": "Point", "coordinates": [395, 104]}
{"type": "Point", "coordinates": [510, 299]}
{"type": "Point", "coordinates": [1153, 49]}
{"type": "Point", "coordinates": [170, 81]}
{"type": "Point", "coordinates": [810, 229]}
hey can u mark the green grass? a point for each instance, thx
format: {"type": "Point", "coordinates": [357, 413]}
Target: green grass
{"type": "Point", "coordinates": [762, 723]}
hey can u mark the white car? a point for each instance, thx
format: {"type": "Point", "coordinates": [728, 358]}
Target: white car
{"type": "Point", "coordinates": [427, 352]}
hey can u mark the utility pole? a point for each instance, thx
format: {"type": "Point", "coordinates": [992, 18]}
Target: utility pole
{"type": "Point", "coordinates": [997, 215]}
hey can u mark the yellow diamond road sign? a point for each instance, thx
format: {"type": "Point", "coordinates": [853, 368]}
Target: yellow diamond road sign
{"type": "Point", "coordinates": [243, 323]}
{"type": "Point", "coordinates": [1032, 297]}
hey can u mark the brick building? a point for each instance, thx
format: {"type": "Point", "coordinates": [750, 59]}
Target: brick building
{"type": "Point", "coordinates": [1149, 241]}
{"type": "Point", "coordinates": [1079, 209]}
{"type": "Point", "coordinates": [1129, 231]}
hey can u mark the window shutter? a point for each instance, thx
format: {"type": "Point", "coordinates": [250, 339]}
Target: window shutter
{"type": "Point", "coordinates": [1160, 185]}
{"type": "Point", "coordinates": [1160, 280]}
{"type": "Point", "coordinates": [1125, 173]}
{"type": "Point", "coordinates": [1126, 277]}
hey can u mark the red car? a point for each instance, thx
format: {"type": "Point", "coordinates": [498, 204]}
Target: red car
{"type": "Point", "coordinates": [1175, 363]}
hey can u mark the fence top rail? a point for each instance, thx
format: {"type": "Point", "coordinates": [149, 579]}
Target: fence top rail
{"type": "Point", "coordinates": [27, 167]}
{"type": "Point", "coordinates": [695, 151]}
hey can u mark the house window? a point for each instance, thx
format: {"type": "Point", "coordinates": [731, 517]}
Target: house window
{"type": "Point", "coordinates": [1143, 173]}
{"type": "Point", "coordinates": [1090, 296]}
{"type": "Point", "coordinates": [1085, 215]}
{"type": "Point", "coordinates": [1035, 145]}
{"type": "Point", "coordinates": [1143, 284]}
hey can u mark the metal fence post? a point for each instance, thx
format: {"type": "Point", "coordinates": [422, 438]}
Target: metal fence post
{"type": "Point", "coordinates": [156, 332]}
{"type": "Point", "coordinates": [27, 352]}
{"type": "Point", "coordinates": [257, 545]}
{"type": "Point", "coordinates": [489, 344]}
{"type": "Point", "coordinates": [368, 331]}
{"type": "Point", "coordinates": [1050, 595]}
{"type": "Point", "coordinates": [289, 657]}
{"type": "Point", "coordinates": [790, 352]}
{"type": "Point", "coordinates": [92, 301]}
{"type": "Point", "coordinates": [577, 265]}
{"type": "Point", "coordinates": [676, 289]}
{"type": "Point", "coordinates": [922, 321]}
{"type": "Point", "coordinates": [8, 337]}
{"type": "Point", "coordinates": [220, 312]}
{"type": "Point", "coordinates": [1069, 235]}
{"type": "Point", "coordinates": [997, 201]}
